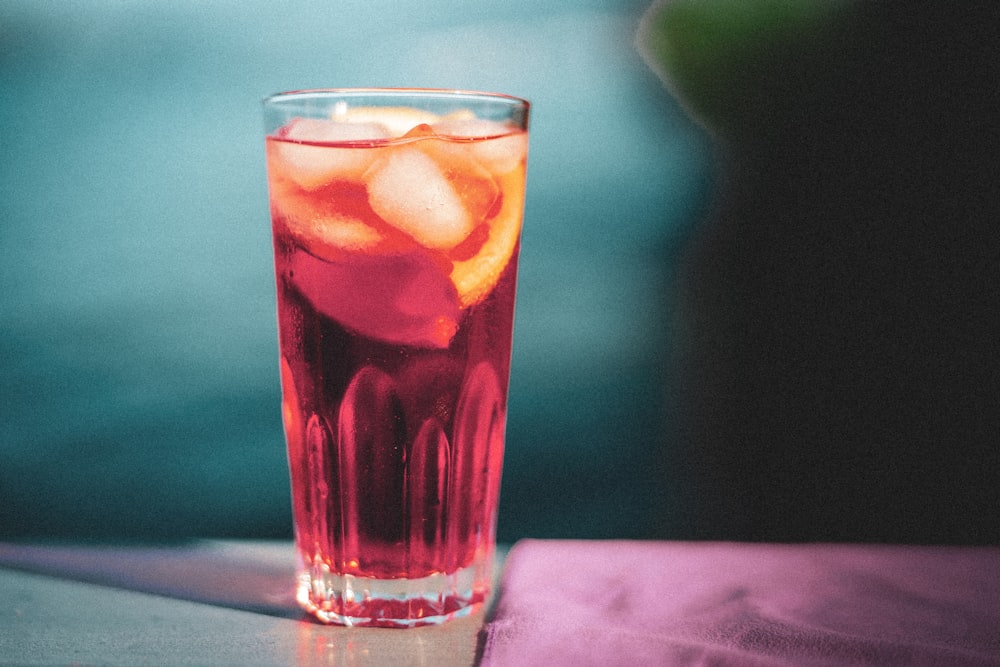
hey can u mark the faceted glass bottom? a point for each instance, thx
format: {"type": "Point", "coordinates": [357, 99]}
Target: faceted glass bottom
{"type": "Point", "coordinates": [345, 599]}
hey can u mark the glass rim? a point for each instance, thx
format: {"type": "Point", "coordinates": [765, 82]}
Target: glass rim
{"type": "Point", "coordinates": [416, 92]}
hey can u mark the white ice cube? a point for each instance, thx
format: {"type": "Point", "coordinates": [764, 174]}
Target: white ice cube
{"type": "Point", "coordinates": [397, 120]}
{"type": "Point", "coordinates": [328, 236]}
{"type": "Point", "coordinates": [320, 130]}
{"type": "Point", "coordinates": [500, 148]}
{"type": "Point", "coordinates": [411, 192]}
{"type": "Point", "coordinates": [460, 126]}
{"type": "Point", "coordinates": [324, 158]}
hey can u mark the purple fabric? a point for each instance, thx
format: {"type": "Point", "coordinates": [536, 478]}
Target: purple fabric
{"type": "Point", "coordinates": [660, 603]}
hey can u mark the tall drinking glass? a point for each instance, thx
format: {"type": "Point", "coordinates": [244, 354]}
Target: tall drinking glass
{"type": "Point", "coordinates": [396, 216]}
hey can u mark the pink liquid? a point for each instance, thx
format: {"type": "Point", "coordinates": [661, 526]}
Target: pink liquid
{"type": "Point", "coordinates": [395, 401]}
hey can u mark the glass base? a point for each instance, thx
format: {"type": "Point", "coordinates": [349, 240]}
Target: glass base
{"type": "Point", "coordinates": [345, 599]}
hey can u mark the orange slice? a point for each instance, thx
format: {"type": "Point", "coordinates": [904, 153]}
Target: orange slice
{"type": "Point", "coordinates": [474, 278]}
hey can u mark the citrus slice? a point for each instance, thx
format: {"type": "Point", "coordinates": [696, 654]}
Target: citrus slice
{"type": "Point", "coordinates": [474, 278]}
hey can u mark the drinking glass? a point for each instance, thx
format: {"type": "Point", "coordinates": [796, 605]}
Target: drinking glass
{"type": "Point", "coordinates": [396, 217]}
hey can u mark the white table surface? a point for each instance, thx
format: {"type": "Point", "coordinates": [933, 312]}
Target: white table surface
{"type": "Point", "coordinates": [199, 603]}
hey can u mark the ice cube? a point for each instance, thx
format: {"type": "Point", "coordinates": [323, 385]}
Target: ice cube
{"type": "Point", "coordinates": [402, 299]}
{"type": "Point", "coordinates": [325, 157]}
{"type": "Point", "coordinates": [319, 226]}
{"type": "Point", "coordinates": [411, 192]}
{"type": "Point", "coordinates": [330, 236]}
{"type": "Point", "coordinates": [321, 130]}
{"type": "Point", "coordinates": [499, 147]}
{"type": "Point", "coordinates": [472, 182]}
{"type": "Point", "coordinates": [397, 120]}
{"type": "Point", "coordinates": [462, 126]}
{"type": "Point", "coordinates": [419, 132]}
{"type": "Point", "coordinates": [504, 154]}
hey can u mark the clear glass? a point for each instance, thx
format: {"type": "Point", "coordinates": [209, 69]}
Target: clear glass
{"type": "Point", "coordinates": [396, 216]}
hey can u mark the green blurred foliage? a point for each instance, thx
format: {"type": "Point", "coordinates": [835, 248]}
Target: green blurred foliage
{"type": "Point", "coordinates": [716, 55]}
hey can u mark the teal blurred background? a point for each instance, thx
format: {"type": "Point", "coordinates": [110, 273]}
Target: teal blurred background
{"type": "Point", "coordinates": [138, 352]}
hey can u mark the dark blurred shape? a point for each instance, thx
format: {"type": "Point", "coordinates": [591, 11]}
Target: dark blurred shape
{"type": "Point", "coordinates": [841, 318]}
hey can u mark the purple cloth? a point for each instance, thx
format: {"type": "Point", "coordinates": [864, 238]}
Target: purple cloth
{"type": "Point", "coordinates": [662, 603]}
